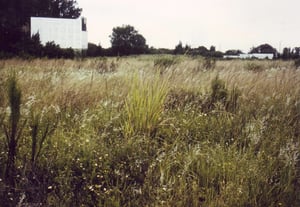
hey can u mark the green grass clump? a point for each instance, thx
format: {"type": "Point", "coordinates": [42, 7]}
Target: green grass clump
{"type": "Point", "coordinates": [144, 106]}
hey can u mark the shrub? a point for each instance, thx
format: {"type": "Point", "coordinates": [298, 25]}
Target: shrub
{"type": "Point", "coordinates": [51, 50]}
{"type": "Point", "coordinates": [94, 50]}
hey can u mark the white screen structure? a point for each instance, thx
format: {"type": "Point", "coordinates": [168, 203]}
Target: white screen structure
{"type": "Point", "coordinates": [67, 33]}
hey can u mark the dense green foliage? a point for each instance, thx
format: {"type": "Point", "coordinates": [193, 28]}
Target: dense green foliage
{"type": "Point", "coordinates": [264, 48]}
{"type": "Point", "coordinates": [133, 136]}
{"type": "Point", "coordinates": [289, 53]}
{"type": "Point", "coordinates": [201, 51]}
{"type": "Point", "coordinates": [125, 40]}
{"type": "Point", "coordinates": [94, 50]}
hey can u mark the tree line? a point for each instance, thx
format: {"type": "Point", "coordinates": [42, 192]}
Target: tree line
{"type": "Point", "coordinates": [15, 39]}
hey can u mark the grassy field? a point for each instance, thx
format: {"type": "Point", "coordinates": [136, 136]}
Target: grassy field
{"type": "Point", "coordinates": [149, 131]}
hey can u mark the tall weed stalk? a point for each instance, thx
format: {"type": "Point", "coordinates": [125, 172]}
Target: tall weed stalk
{"type": "Point", "coordinates": [12, 129]}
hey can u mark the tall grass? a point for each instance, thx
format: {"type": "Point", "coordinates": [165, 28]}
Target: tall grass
{"type": "Point", "coordinates": [128, 135]}
{"type": "Point", "coordinates": [144, 105]}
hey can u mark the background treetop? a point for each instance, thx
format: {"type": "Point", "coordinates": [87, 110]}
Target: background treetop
{"type": "Point", "coordinates": [125, 40]}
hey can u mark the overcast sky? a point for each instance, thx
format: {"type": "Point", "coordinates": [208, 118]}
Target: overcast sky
{"type": "Point", "coordinates": [226, 24]}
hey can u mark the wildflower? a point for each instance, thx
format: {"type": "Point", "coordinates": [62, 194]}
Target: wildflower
{"type": "Point", "coordinates": [56, 109]}
{"type": "Point", "coordinates": [99, 176]}
{"type": "Point", "coordinates": [31, 101]}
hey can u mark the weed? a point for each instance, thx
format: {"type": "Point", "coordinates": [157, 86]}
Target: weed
{"type": "Point", "coordinates": [13, 130]}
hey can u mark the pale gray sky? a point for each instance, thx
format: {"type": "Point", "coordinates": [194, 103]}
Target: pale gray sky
{"type": "Point", "coordinates": [226, 24]}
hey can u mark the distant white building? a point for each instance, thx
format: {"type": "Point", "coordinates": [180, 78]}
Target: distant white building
{"type": "Point", "coordinates": [251, 56]}
{"type": "Point", "coordinates": [257, 56]}
{"type": "Point", "coordinates": [231, 56]}
{"type": "Point", "coordinates": [67, 33]}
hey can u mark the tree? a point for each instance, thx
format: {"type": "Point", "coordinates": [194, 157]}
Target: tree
{"type": "Point", "coordinates": [296, 52]}
{"type": "Point", "coordinates": [29, 46]}
{"type": "Point", "coordinates": [264, 48]}
{"type": "Point", "coordinates": [233, 52]}
{"type": "Point", "coordinates": [56, 8]}
{"type": "Point", "coordinates": [286, 54]}
{"type": "Point", "coordinates": [212, 49]}
{"type": "Point", "coordinates": [125, 40]}
{"type": "Point", "coordinates": [202, 50]}
{"type": "Point", "coordinates": [289, 53]}
{"type": "Point", "coordinates": [94, 50]}
{"type": "Point", "coordinates": [178, 49]}
{"type": "Point", "coordinates": [51, 50]}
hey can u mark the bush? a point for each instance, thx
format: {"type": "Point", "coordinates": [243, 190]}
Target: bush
{"type": "Point", "coordinates": [51, 50]}
{"type": "Point", "coordinates": [94, 50]}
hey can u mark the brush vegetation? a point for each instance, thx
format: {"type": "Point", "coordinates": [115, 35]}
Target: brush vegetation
{"type": "Point", "coordinates": [149, 131]}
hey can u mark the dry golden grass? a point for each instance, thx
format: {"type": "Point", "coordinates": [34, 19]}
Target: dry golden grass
{"type": "Point", "coordinates": [188, 73]}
